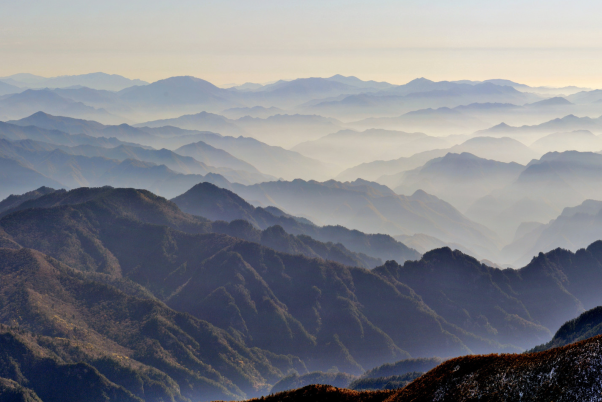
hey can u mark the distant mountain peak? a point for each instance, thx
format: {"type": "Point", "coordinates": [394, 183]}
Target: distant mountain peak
{"type": "Point", "coordinates": [420, 80]}
{"type": "Point", "coordinates": [555, 101]}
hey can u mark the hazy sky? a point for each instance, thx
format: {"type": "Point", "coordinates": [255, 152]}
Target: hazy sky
{"type": "Point", "coordinates": [234, 41]}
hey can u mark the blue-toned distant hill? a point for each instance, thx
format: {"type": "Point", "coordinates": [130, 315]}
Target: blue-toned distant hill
{"type": "Point", "coordinates": [102, 81]}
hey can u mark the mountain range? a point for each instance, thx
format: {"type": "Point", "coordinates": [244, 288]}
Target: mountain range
{"type": "Point", "coordinates": [460, 179]}
{"type": "Point", "coordinates": [140, 255]}
{"type": "Point", "coordinates": [25, 103]}
{"type": "Point", "coordinates": [390, 172]}
{"type": "Point", "coordinates": [542, 190]}
{"type": "Point", "coordinates": [215, 203]}
{"type": "Point", "coordinates": [371, 208]}
{"type": "Point", "coordinates": [100, 81]}
{"type": "Point", "coordinates": [348, 147]}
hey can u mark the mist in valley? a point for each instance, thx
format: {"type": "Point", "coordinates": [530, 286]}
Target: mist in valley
{"type": "Point", "coordinates": [228, 201]}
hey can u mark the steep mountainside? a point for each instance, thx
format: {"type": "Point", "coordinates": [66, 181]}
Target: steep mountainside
{"type": "Point", "coordinates": [116, 335]}
{"type": "Point", "coordinates": [566, 281]}
{"type": "Point", "coordinates": [133, 166]}
{"type": "Point", "coordinates": [131, 251]}
{"type": "Point", "coordinates": [274, 237]}
{"type": "Point", "coordinates": [587, 325]}
{"type": "Point", "coordinates": [403, 367]}
{"type": "Point", "coordinates": [308, 301]}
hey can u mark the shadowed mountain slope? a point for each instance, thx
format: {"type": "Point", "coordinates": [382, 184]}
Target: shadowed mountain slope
{"type": "Point", "coordinates": [587, 325]}
{"type": "Point", "coordinates": [310, 301]}
{"type": "Point", "coordinates": [13, 201]}
{"type": "Point", "coordinates": [264, 302]}
{"type": "Point", "coordinates": [127, 341]}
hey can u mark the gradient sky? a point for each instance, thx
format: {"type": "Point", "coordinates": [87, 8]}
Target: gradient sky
{"type": "Point", "coordinates": [235, 41]}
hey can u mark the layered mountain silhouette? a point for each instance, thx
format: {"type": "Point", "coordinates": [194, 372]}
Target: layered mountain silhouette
{"type": "Point", "coordinates": [243, 151]}
{"type": "Point", "coordinates": [460, 179]}
{"type": "Point", "coordinates": [371, 208]}
{"type": "Point", "coordinates": [534, 376]}
{"type": "Point", "coordinates": [437, 121]}
{"type": "Point", "coordinates": [279, 129]}
{"type": "Point", "coordinates": [215, 203]}
{"type": "Point", "coordinates": [575, 228]}
{"type": "Point", "coordinates": [578, 140]}
{"type": "Point", "coordinates": [541, 191]}
{"type": "Point", "coordinates": [17, 176]}
{"type": "Point", "coordinates": [202, 121]}
{"type": "Point", "coordinates": [25, 103]}
{"type": "Point", "coordinates": [255, 111]}
{"type": "Point", "coordinates": [101, 81]}
{"type": "Point", "coordinates": [533, 132]}
{"type": "Point", "coordinates": [176, 93]}
{"type": "Point", "coordinates": [390, 172]}
{"type": "Point", "coordinates": [272, 160]}
{"type": "Point", "coordinates": [153, 273]}
{"type": "Point", "coordinates": [6, 88]}
{"type": "Point", "coordinates": [128, 165]}
{"type": "Point", "coordinates": [348, 147]}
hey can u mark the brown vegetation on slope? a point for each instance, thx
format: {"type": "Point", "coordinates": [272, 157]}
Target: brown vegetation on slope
{"type": "Point", "coordinates": [568, 373]}
{"type": "Point", "coordinates": [326, 393]}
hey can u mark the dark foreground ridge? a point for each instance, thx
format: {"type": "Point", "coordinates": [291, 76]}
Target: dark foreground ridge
{"type": "Point", "coordinates": [327, 393]}
{"type": "Point", "coordinates": [569, 373]}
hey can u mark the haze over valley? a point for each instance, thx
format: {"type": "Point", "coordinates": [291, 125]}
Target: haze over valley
{"type": "Point", "coordinates": [300, 201]}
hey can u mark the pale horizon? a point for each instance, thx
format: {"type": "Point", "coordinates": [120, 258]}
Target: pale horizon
{"type": "Point", "coordinates": [535, 43]}
{"type": "Point", "coordinates": [228, 84]}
